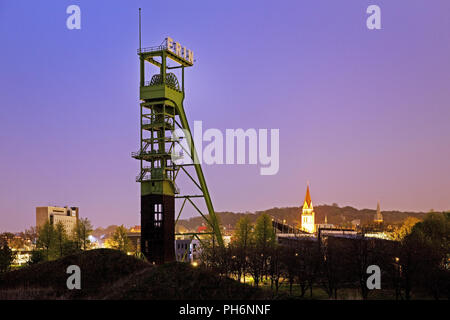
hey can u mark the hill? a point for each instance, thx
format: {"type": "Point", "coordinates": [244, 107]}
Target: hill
{"type": "Point", "coordinates": [110, 274]}
{"type": "Point", "coordinates": [335, 215]}
{"type": "Point", "coordinates": [104, 233]}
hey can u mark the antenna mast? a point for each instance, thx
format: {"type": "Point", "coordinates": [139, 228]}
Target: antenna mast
{"type": "Point", "coordinates": [140, 47]}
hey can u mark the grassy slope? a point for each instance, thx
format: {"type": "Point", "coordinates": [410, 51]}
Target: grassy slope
{"type": "Point", "coordinates": [109, 274]}
{"type": "Point", "coordinates": [181, 281]}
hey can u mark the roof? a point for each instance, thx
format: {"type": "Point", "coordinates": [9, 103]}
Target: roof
{"type": "Point", "coordinates": [308, 196]}
{"type": "Point", "coordinates": [307, 204]}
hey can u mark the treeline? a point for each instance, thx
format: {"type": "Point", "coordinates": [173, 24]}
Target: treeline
{"type": "Point", "coordinates": [53, 241]}
{"type": "Point", "coordinates": [415, 265]}
{"type": "Point", "coordinates": [341, 216]}
{"type": "Point", "coordinates": [120, 241]}
{"type": "Point", "coordinates": [9, 244]}
{"type": "Point", "coordinates": [50, 242]}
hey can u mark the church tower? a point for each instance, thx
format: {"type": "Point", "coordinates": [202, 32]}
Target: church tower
{"type": "Point", "coordinates": [378, 217]}
{"type": "Point", "coordinates": [308, 214]}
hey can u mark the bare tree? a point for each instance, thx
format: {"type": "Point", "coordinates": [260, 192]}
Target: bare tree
{"type": "Point", "coordinates": [81, 233]}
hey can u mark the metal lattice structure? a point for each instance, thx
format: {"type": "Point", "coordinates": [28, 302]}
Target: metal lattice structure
{"type": "Point", "coordinates": [161, 112]}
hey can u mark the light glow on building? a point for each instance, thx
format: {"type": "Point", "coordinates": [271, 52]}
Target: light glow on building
{"type": "Point", "coordinates": [308, 215]}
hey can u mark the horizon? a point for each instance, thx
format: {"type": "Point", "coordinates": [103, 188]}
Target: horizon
{"type": "Point", "coordinates": [248, 212]}
{"type": "Point", "coordinates": [365, 113]}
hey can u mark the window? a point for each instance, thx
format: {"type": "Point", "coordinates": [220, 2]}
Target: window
{"type": "Point", "coordinates": [158, 215]}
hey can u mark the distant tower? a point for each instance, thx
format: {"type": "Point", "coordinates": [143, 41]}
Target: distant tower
{"type": "Point", "coordinates": [378, 217]}
{"type": "Point", "coordinates": [308, 213]}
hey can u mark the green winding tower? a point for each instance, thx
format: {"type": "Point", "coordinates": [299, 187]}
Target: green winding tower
{"type": "Point", "coordinates": [161, 112]}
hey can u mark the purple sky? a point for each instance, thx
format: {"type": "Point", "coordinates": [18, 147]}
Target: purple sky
{"type": "Point", "coordinates": [363, 115]}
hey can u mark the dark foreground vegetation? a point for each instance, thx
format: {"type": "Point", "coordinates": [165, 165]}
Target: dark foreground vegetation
{"type": "Point", "coordinates": [110, 274]}
{"type": "Point", "coordinates": [335, 267]}
{"type": "Point", "coordinates": [416, 266]}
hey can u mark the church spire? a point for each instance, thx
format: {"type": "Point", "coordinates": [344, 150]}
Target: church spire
{"type": "Point", "coordinates": [378, 216]}
{"type": "Point", "coordinates": [308, 203]}
{"type": "Point", "coordinates": [308, 215]}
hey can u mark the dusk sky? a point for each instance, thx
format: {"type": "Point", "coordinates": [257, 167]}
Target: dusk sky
{"type": "Point", "coordinates": [363, 114]}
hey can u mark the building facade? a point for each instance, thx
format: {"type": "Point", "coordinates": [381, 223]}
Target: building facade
{"type": "Point", "coordinates": [187, 250]}
{"type": "Point", "coordinates": [68, 216]}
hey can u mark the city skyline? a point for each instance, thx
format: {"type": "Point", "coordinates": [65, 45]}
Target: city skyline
{"type": "Point", "coordinates": [366, 111]}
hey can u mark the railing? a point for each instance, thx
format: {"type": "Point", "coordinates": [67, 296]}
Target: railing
{"type": "Point", "coordinates": [154, 121]}
{"type": "Point", "coordinates": [152, 49]}
{"type": "Point", "coordinates": [144, 177]}
{"type": "Point", "coordinates": [143, 152]}
{"type": "Point", "coordinates": [176, 155]}
{"type": "Point", "coordinates": [283, 227]}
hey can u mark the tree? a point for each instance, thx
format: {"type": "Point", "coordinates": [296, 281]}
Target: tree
{"type": "Point", "coordinates": [120, 240]}
{"type": "Point", "coordinates": [255, 263]}
{"type": "Point", "coordinates": [6, 256]}
{"type": "Point", "coordinates": [359, 254]}
{"type": "Point", "coordinates": [36, 257]}
{"type": "Point", "coordinates": [264, 233]}
{"type": "Point", "coordinates": [46, 237]}
{"type": "Point", "coordinates": [81, 233]}
{"type": "Point", "coordinates": [289, 259]}
{"type": "Point", "coordinates": [333, 270]}
{"type": "Point", "coordinates": [434, 230]}
{"type": "Point", "coordinates": [276, 266]}
{"type": "Point", "coordinates": [209, 255]}
{"type": "Point", "coordinates": [401, 232]}
{"type": "Point", "coordinates": [429, 246]}
{"type": "Point", "coordinates": [243, 233]}
{"type": "Point", "coordinates": [61, 238]}
{"type": "Point", "coordinates": [264, 239]}
{"type": "Point", "coordinates": [7, 236]}
{"type": "Point", "coordinates": [17, 243]}
{"type": "Point", "coordinates": [241, 241]}
{"type": "Point", "coordinates": [31, 234]}
{"type": "Point", "coordinates": [308, 264]}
